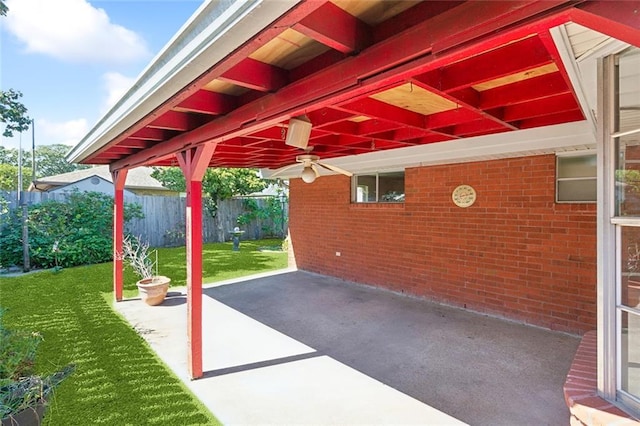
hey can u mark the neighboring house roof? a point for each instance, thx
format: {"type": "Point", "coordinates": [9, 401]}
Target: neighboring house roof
{"type": "Point", "coordinates": [138, 178]}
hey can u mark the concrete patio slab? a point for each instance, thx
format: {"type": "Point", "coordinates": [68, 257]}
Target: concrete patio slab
{"type": "Point", "coordinates": [296, 347]}
{"type": "Point", "coordinates": [257, 375]}
{"type": "Point", "coordinates": [313, 391]}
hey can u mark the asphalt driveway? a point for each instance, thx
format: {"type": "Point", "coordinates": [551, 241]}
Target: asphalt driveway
{"type": "Point", "coordinates": [478, 369]}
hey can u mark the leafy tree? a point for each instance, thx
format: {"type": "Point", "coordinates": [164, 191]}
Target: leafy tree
{"type": "Point", "coordinates": [3, 8]}
{"type": "Point", "coordinates": [13, 113]}
{"type": "Point", "coordinates": [9, 177]}
{"type": "Point", "coordinates": [50, 160]}
{"type": "Point", "coordinates": [219, 183]}
{"type": "Point", "coordinates": [8, 156]}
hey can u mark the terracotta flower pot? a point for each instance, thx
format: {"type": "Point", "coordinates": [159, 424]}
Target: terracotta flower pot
{"type": "Point", "coordinates": [31, 416]}
{"type": "Point", "coordinates": [153, 290]}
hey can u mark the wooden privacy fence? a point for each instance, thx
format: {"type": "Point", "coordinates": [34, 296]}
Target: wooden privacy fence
{"type": "Point", "coordinates": [163, 224]}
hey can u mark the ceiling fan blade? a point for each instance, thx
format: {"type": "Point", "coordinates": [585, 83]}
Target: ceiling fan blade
{"type": "Point", "coordinates": [284, 169]}
{"type": "Point", "coordinates": [334, 169]}
{"type": "Point", "coordinates": [315, 169]}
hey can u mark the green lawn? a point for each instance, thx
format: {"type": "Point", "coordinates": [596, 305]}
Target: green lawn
{"type": "Point", "coordinates": [119, 380]}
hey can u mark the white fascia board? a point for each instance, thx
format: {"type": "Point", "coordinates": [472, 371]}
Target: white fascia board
{"type": "Point", "coordinates": [215, 30]}
{"type": "Point", "coordinates": [543, 140]}
{"type": "Point", "coordinates": [561, 40]}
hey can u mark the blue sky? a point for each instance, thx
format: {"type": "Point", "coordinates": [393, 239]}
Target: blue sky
{"type": "Point", "coordinates": [72, 59]}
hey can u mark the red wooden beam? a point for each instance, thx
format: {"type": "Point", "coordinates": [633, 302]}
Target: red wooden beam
{"type": "Point", "coordinates": [134, 143]}
{"type": "Point", "coordinates": [122, 150]}
{"type": "Point", "coordinates": [293, 16]}
{"type": "Point", "coordinates": [475, 19]}
{"type": "Point", "coordinates": [382, 110]}
{"type": "Point", "coordinates": [276, 132]}
{"type": "Point", "coordinates": [194, 163]}
{"type": "Point", "coordinates": [346, 127]}
{"type": "Point", "coordinates": [497, 63]}
{"type": "Point", "coordinates": [389, 62]}
{"type": "Point", "coordinates": [111, 155]}
{"type": "Point", "coordinates": [320, 62]}
{"type": "Point", "coordinates": [408, 133]}
{"type": "Point", "coordinates": [150, 134]}
{"type": "Point", "coordinates": [483, 126]}
{"type": "Point", "coordinates": [435, 137]}
{"type": "Point", "coordinates": [421, 12]}
{"type": "Point", "coordinates": [523, 91]}
{"type": "Point", "coordinates": [381, 144]}
{"type": "Point", "coordinates": [540, 107]}
{"type": "Point", "coordinates": [174, 120]}
{"type": "Point", "coordinates": [222, 149]}
{"type": "Point", "coordinates": [335, 28]}
{"type": "Point", "coordinates": [369, 127]}
{"type": "Point", "coordinates": [239, 141]}
{"type": "Point", "coordinates": [329, 139]}
{"type": "Point", "coordinates": [619, 19]}
{"type": "Point", "coordinates": [346, 140]}
{"type": "Point", "coordinates": [470, 104]}
{"type": "Point", "coordinates": [207, 102]}
{"type": "Point", "coordinates": [549, 120]}
{"type": "Point", "coordinates": [256, 75]}
{"type": "Point", "coordinates": [451, 117]}
{"type": "Point", "coordinates": [119, 177]}
{"type": "Point", "coordinates": [324, 116]}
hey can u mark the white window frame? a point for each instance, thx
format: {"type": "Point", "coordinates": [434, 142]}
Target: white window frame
{"type": "Point", "coordinates": [355, 186]}
{"type": "Point", "coordinates": [610, 226]}
{"type": "Point", "coordinates": [582, 153]}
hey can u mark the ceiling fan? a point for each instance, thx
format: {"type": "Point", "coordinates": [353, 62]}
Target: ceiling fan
{"type": "Point", "coordinates": [298, 136]}
{"type": "Point", "coordinates": [309, 167]}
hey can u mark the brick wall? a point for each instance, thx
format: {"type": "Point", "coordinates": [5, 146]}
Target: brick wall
{"type": "Point", "coordinates": [514, 253]}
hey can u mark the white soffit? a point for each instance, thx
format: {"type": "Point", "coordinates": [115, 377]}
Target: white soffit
{"type": "Point", "coordinates": [585, 46]}
{"type": "Point", "coordinates": [584, 41]}
{"type": "Point", "coordinates": [575, 136]}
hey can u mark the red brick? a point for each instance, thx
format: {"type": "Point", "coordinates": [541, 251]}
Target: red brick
{"type": "Point", "coordinates": [515, 252]}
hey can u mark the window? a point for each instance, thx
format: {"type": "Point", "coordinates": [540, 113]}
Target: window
{"type": "Point", "coordinates": [619, 287]}
{"type": "Point", "coordinates": [378, 188]}
{"type": "Point", "coordinates": [576, 178]}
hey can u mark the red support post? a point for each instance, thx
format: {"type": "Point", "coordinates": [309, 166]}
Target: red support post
{"type": "Point", "coordinates": [194, 163]}
{"type": "Point", "coordinates": [119, 178]}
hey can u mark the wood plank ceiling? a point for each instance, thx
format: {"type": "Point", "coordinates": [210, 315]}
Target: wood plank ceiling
{"type": "Point", "coordinates": [370, 76]}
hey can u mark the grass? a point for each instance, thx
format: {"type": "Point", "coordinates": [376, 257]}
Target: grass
{"type": "Point", "coordinates": [119, 380]}
{"type": "Point", "coordinates": [219, 262]}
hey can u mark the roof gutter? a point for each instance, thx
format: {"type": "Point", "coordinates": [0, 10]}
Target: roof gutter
{"type": "Point", "coordinates": [214, 31]}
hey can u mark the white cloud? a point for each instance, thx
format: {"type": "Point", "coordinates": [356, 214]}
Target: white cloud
{"type": "Point", "coordinates": [116, 85]}
{"type": "Point", "coordinates": [48, 133]}
{"type": "Point", "coordinates": [67, 132]}
{"type": "Point", "coordinates": [72, 30]}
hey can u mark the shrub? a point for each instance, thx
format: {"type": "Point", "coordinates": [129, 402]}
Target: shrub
{"type": "Point", "coordinates": [64, 234]}
{"type": "Point", "coordinates": [20, 388]}
{"type": "Point", "coordinates": [269, 212]}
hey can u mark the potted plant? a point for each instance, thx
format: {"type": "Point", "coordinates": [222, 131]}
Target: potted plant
{"type": "Point", "coordinates": [152, 287]}
{"type": "Point", "coordinates": [23, 395]}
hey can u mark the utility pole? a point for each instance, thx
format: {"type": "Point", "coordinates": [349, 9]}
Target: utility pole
{"type": "Point", "coordinates": [26, 264]}
{"type": "Point", "coordinates": [14, 114]}
{"type": "Point", "coordinates": [33, 151]}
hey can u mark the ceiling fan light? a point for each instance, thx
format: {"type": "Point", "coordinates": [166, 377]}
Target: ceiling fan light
{"type": "Point", "coordinates": [308, 175]}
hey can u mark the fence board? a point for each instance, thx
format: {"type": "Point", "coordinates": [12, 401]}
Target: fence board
{"type": "Point", "coordinates": [163, 224]}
